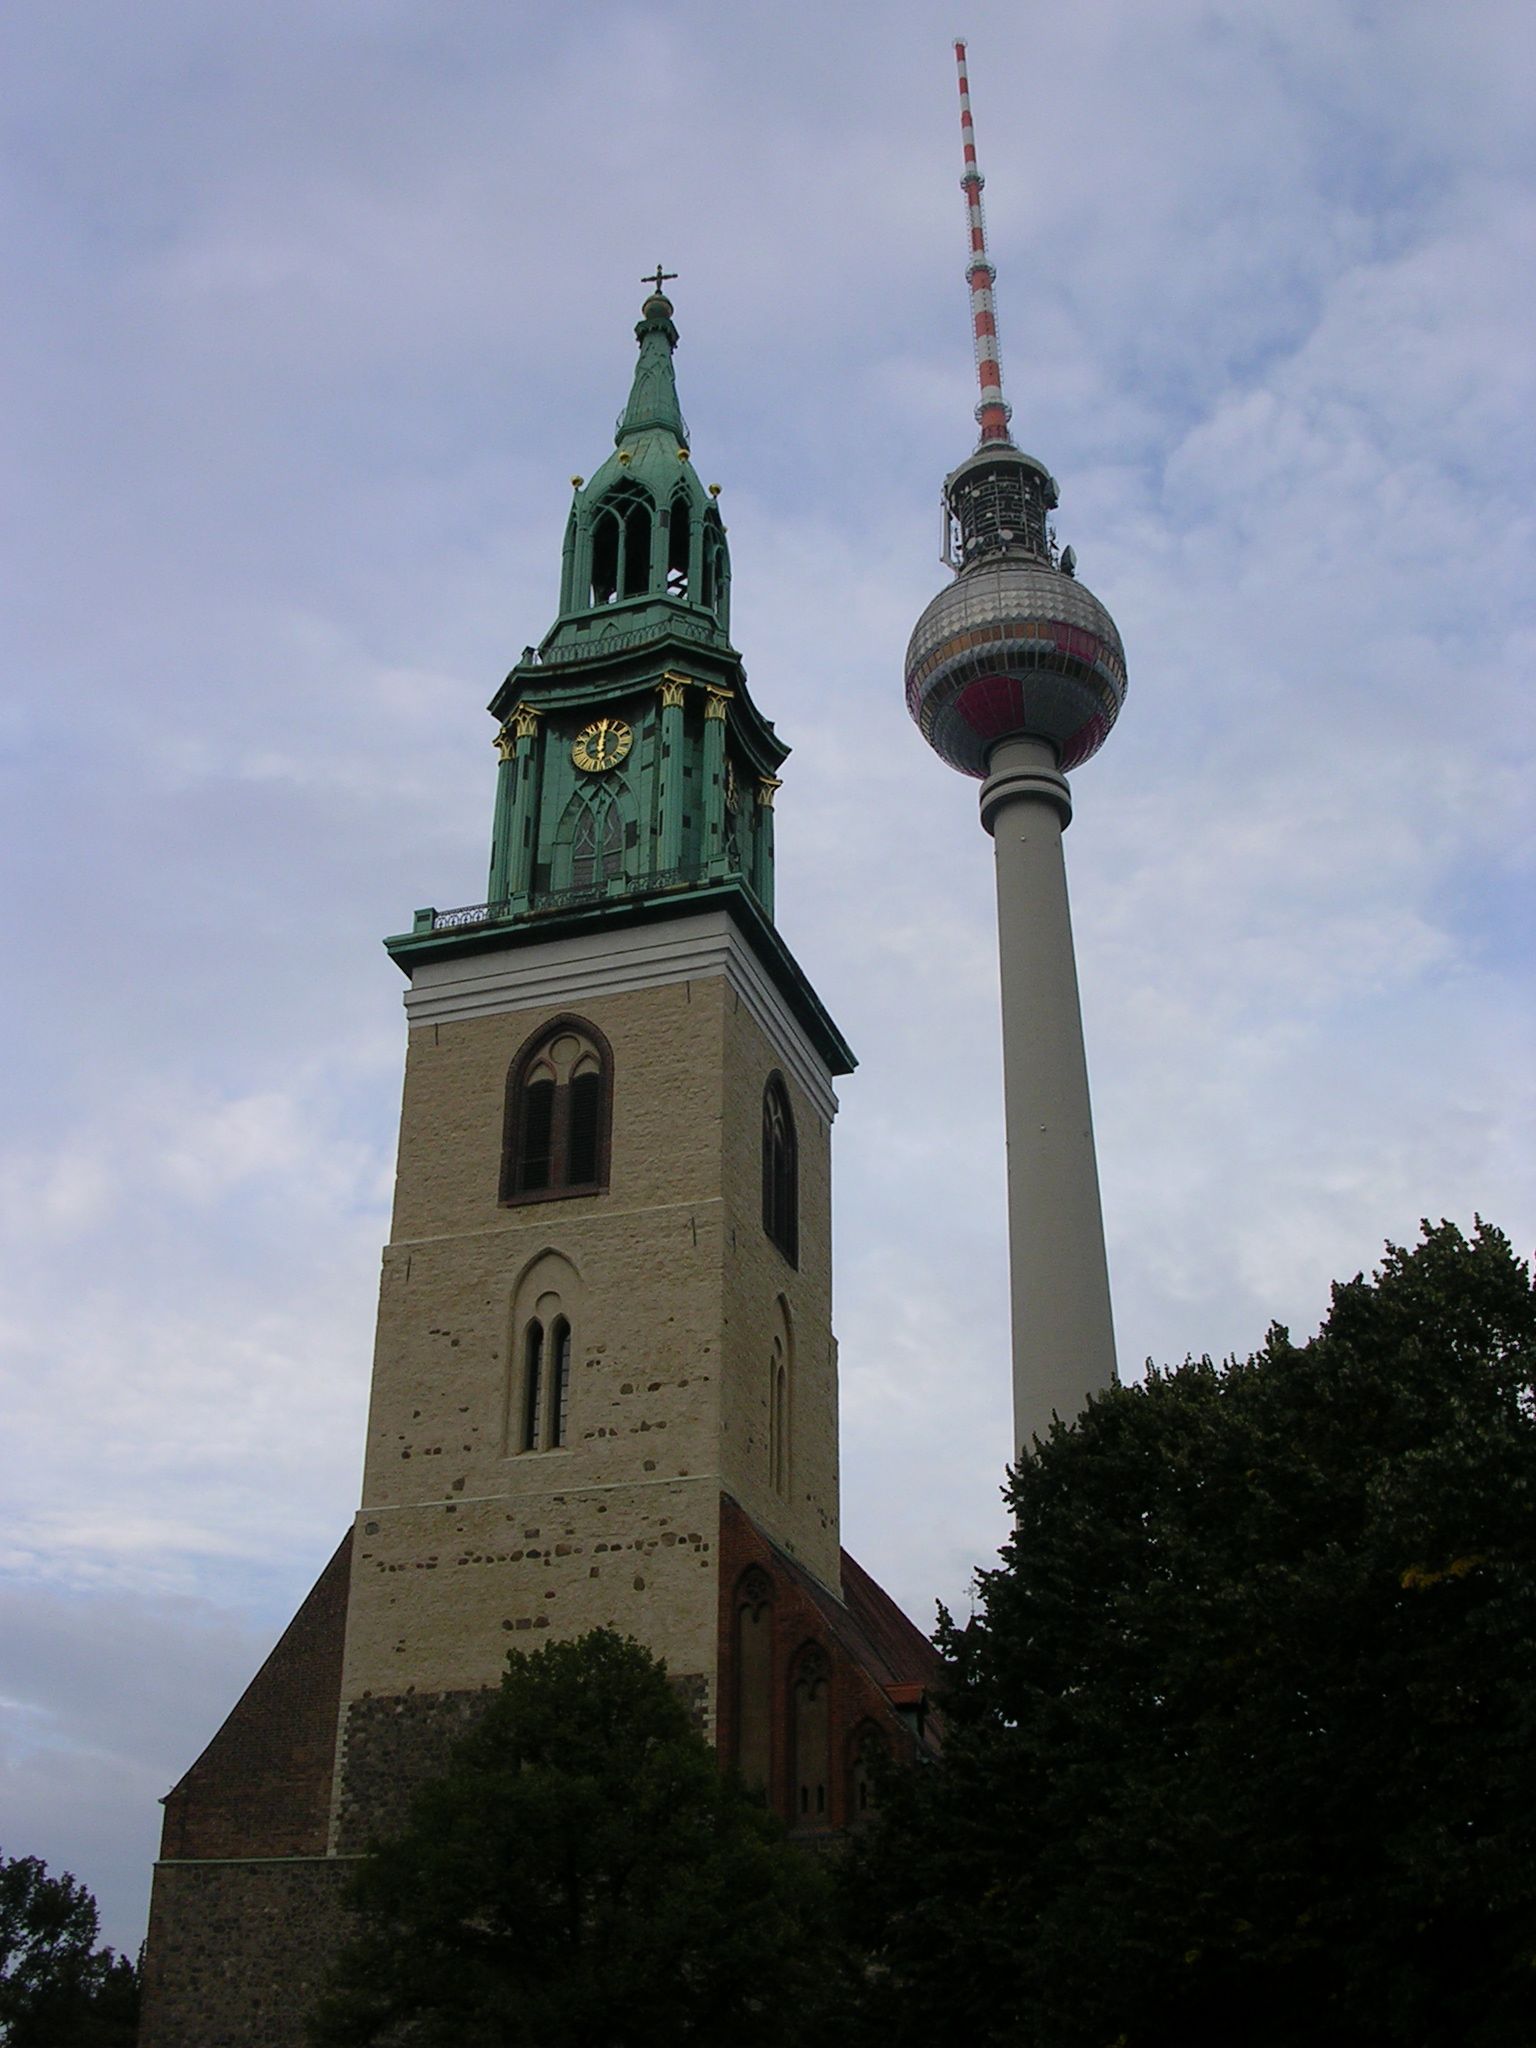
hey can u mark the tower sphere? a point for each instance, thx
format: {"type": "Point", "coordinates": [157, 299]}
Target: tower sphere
{"type": "Point", "coordinates": [1014, 650]}
{"type": "Point", "coordinates": [1015, 647]}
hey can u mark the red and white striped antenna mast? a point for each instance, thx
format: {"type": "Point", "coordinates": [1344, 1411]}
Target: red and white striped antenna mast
{"type": "Point", "coordinates": [994, 412]}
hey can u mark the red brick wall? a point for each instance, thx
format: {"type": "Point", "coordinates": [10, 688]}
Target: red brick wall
{"type": "Point", "coordinates": [262, 1787]}
{"type": "Point", "coordinates": [866, 1649]}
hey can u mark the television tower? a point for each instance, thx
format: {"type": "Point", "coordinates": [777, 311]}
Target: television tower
{"type": "Point", "coordinates": [1015, 674]}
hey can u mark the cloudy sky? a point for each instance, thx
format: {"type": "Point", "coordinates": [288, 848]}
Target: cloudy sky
{"type": "Point", "coordinates": [314, 309]}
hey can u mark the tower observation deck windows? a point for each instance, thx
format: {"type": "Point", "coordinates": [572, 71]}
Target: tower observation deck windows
{"type": "Point", "coordinates": [557, 1117]}
{"type": "Point", "coordinates": [781, 1171]}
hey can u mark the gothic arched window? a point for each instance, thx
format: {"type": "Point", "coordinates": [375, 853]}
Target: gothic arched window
{"type": "Point", "coordinates": [867, 1751]}
{"type": "Point", "coordinates": [621, 545]}
{"type": "Point", "coordinates": [531, 1431]}
{"type": "Point", "coordinates": [780, 1398]}
{"type": "Point", "coordinates": [597, 845]}
{"type": "Point", "coordinates": [555, 1129]}
{"type": "Point", "coordinates": [810, 1727]}
{"type": "Point", "coordinates": [679, 545]}
{"type": "Point", "coordinates": [539, 1390]}
{"type": "Point", "coordinates": [781, 1171]}
{"type": "Point", "coordinates": [754, 1678]}
{"type": "Point", "coordinates": [559, 1383]}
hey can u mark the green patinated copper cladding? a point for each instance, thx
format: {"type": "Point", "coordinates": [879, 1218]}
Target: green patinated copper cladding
{"type": "Point", "coordinates": [643, 636]}
{"type": "Point", "coordinates": [685, 813]}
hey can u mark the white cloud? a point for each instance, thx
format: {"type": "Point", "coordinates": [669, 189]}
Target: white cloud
{"type": "Point", "coordinates": [324, 308]}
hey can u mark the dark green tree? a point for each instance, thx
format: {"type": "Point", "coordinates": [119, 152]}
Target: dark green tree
{"type": "Point", "coordinates": [582, 1876]}
{"type": "Point", "coordinates": [57, 1988]}
{"type": "Point", "coordinates": [1242, 1740]}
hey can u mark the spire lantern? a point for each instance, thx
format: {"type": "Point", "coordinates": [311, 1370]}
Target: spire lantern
{"type": "Point", "coordinates": [625, 739]}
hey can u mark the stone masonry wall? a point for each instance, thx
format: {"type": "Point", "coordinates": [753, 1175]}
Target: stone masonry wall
{"type": "Point", "coordinates": [465, 1541]}
{"type": "Point", "coordinates": [237, 1951]}
{"type": "Point", "coordinates": [757, 1278]}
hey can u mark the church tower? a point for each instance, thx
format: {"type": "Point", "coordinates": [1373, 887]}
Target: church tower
{"type": "Point", "coordinates": [605, 1381]}
{"type": "Point", "coordinates": [607, 1294]}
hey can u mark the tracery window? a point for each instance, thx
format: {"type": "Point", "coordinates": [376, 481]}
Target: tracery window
{"type": "Point", "coordinates": [539, 1379]}
{"type": "Point", "coordinates": [679, 545]}
{"type": "Point", "coordinates": [714, 574]}
{"type": "Point", "coordinates": [621, 545]}
{"type": "Point", "coordinates": [868, 1749]}
{"type": "Point", "coordinates": [555, 1127]}
{"type": "Point", "coordinates": [533, 1388]}
{"type": "Point", "coordinates": [597, 845]}
{"type": "Point", "coordinates": [781, 1171]}
{"type": "Point", "coordinates": [754, 1678]}
{"type": "Point", "coordinates": [780, 1365]}
{"type": "Point", "coordinates": [810, 1725]}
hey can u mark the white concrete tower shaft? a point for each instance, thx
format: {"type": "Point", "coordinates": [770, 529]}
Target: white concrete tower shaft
{"type": "Point", "coordinates": [1063, 1327]}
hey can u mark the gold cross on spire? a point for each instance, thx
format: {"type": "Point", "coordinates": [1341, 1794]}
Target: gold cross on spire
{"type": "Point", "coordinates": [662, 277]}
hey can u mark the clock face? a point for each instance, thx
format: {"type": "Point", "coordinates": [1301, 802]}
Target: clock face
{"type": "Point", "coordinates": [602, 744]}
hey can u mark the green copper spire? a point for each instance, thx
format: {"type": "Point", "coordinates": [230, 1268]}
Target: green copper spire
{"type": "Point", "coordinates": [653, 406]}
{"type": "Point", "coordinates": [636, 776]}
{"type": "Point", "coordinates": [645, 551]}
{"type": "Point", "coordinates": [635, 767]}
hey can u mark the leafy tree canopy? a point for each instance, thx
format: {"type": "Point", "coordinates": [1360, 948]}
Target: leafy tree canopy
{"type": "Point", "coordinates": [1242, 1740]}
{"type": "Point", "coordinates": [582, 1877]}
{"type": "Point", "coordinates": [57, 1989]}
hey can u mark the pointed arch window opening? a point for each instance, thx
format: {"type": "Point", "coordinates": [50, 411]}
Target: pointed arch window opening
{"type": "Point", "coordinates": [533, 1387]}
{"type": "Point", "coordinates": [560, 1384]}
{"type": "Point", "coordinates": [621, 546]}
{"type": "Point", "coordinates": [541, 1393]}
{"type": "Point", "coordinates": [781, 1171]}
{"type": "Point", "coordinates": [714, 570]}
{"type": "Point", "coordinates": [558, 1115]}
{"type": "Point", "coordinates": [753, 1670]}
{"type": "Point", "coordinates": [868, 1750]}
{"type": "Point", "coordinates": [811, 1737]}
{"type": "Point", "coordinates": [679, 545]}
{"type": "Point", "coordinates": [778, 1416]}
{"type": "Point", "coordinates": [597, 844]}
{"type": "Point", "coordinates": [635, 570]}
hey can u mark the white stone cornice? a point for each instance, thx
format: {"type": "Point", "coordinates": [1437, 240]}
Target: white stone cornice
{"type": "Point", "coordinates": [575, 967]}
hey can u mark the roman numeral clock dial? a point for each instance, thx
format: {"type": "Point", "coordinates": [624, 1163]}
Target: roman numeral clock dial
{"type": "Point", "coordinates": [601, 745]}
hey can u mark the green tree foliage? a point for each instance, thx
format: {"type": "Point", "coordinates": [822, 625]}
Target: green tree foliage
{"type": "Point", "coordinates": [582, 1877]}
{"type": "Point", "coordinates": [1242, 1741]}
{"type": "Point", "coordinates": [57, 1989]}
